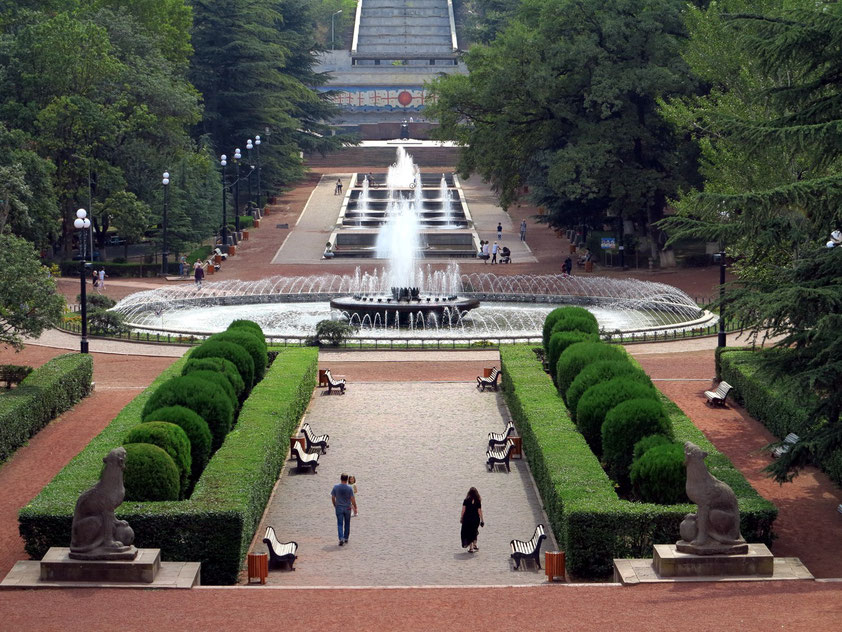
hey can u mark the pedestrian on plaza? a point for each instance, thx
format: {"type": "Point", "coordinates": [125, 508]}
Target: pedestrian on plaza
{"type": "Point", "coordinates": [485, 252]}
{"type": "Point", "coordinates": [471, 520]}
{"type": "Point", "coordinates": [352, 481]}
{"type": "Point", "coordinates": [523, 230]}
{"type": "Point", "coordinates": [198, 273]}
{"type": "Point", "coordinates": [494, 253]}
{"type": "Point", "coordinates": [101, 279]}
{"type": "Point", "coordinates": [499, 231]}
{"type": "Point", "coordinates": [342, 497]}
{"type": "Point", "coordinates": [94, 278]}
{"type": "Point", "coordinates": [567, 266]}
{"type": "Point", "coordinates": [182, 265]}
{"type": "Point", "coordinates": [337, 190]}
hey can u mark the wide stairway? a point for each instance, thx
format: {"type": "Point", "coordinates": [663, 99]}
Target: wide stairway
{"type": "Point", "coordinates": [404, 28]}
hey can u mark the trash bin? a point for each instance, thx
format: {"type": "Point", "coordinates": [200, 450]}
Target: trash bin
{"type": "Point", "coordinates": [554, 564]}
{"type": "Point", "coordinates": [258, 566]}
{"type": "Point", "coordinates": [486, 372]}
{"type": "Point", "coordinates": [572, 249]}
{"type": "Point", "coordinates": [588, 266]}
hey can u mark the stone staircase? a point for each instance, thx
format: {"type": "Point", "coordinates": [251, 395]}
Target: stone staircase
{"type": "Point", "coordinates": [404, 28]}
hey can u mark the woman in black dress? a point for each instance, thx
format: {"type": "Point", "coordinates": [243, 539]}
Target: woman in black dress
{"type": "Point", "coordinates": [471, 519]}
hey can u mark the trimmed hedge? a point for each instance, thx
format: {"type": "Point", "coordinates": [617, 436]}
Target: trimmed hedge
{"type": "Point", "coordinates": [250, 326]}
{"type": "Point", "coordinates": [172, 440]}
{"type": "Point", "coordinates": [226, 367]}
{"type": "Point", "coordinates": [150, 473]}
{"type": "Point", "coordinates": [42, 396]}
{"type": "Point", "coordinates": [252, 343]}
{"type": "Point", "coordinates": [559, 341]}
{"type": "Point", "coordinates": [218, 380]}
{"type": "Point", "coordinates": [659, 475]}
{"type": "Point", "coordinates": [598, 372]}
{"type": "Point", "coordinates": [599, 399]}
{"type": "Point", "coordinates": [197, 432]}
{"type": "Point", "coordinates": [645, 443]}
{"type": "Point", "coordinates": [578, 314]}
{"type": "Point", "coordinates": [205, 399]}
{"type": "Point", "coordinates": [234, 353]}
{"type": "Point", "coordinates": [779, 404]}
{"type": "Point", "coordinates": [577, 356]}
{"type": "Point", "coordinates": [625, 425]}
{"type": "Point", "coordinates": [592, 525]}
{"type": "Point", "coordinates": [216, 525]}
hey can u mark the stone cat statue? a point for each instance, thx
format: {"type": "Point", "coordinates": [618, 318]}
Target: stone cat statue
{"type": "Point", "coordinates": [715, 527]}
{"type": "Point", "coordinates": [96, 533]}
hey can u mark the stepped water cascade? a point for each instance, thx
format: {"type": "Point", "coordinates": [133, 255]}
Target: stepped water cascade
{"type": "Point", "coordinates": [409, 299]}
{"type": "Point", "coordinates": [447, 203]}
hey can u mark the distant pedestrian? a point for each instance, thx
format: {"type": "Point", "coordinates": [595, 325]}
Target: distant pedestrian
{"type": "Point", "coordinates": [499, 231]}
{"type": "Point", "coordinates": [485, 252]}
{"type": "Point", "coordinates": [101, 279]}
{"type": "Point", "coordinates": [567, 266]}
{"type": "Point", "coordinates": [352, 481]}
{"type": "Point", "coordinates": [494, 253]}
{"type": "Point", "coordinates": [471, 520]}
{"type": "Point", "coordinates": [337, 190]}
{"type": "Point", "coordinates": [523, 230]}
{"type": "Point", "coordinates": [342, 497]}
{"type": "Point", "coordinates": [182, 265]}
{"type": "Point", "coordinates": [198, 273]}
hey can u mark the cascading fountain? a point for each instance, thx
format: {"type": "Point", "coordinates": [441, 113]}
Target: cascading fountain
{"type": "Point", "coordinates": [447, 204]}
{"type": "Point", "coordinates": [405, 298]}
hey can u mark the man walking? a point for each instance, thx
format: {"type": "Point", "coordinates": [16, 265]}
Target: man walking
{"type": "Point", "coordinates": [343, 499]}
{"type": "Point", "coordinates": [494, 253]}
{"type": "Point", "coordinates": [523, 230]}
{"type": "Point", "coordinates": [499, 231]}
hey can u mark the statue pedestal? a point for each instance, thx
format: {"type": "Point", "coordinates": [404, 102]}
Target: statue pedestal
{"type": "Point", "coordinates": [58, 566]}
{"type": "Point", "coordinates": [668, 561]}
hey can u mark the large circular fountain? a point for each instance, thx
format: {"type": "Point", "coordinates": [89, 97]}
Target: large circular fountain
{"type": "Point", "coordinates": [409, 300]}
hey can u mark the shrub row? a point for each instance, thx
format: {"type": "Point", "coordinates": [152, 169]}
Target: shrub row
{"type": "Point", "coordinates": [43, 395]}
{"type": "Point", "coordinates": [114, 270]}
{"type": "Point", "coordinates": [779, 404]}
{"type": "Point", "coordinates": [591, 523]}
{"type": "Point", "coordinates": [216, 525]}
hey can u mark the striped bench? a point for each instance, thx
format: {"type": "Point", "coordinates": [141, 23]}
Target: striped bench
{"type": "Point", "coordinates": [312, 440]}
{"type": "Point", "coordinates": [790, 440]}
{"type": "Point", "coordinates": [528, 548]}
{"type": "Point", "coordinates": [333, 383]}
{"type": "Point", "coordinates": [280, 552]}
{"type": "Point", "coordinates": [500, 438]}
{"type": "Point", "coordinates": [499, 456]}
{"type": "Point", "coordinates": [717, 397]}
{"type": "Point", "coordinates": [490, 381]}
{"type": "Point", "coordinates": [304, 459]}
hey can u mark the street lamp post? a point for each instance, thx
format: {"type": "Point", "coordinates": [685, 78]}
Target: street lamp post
{"type": "Point", "coordinates": [249, 147]}
{"type": "Point", "coordinates": [83, 223]}
{"type": "Point", "coordinates": [165, 181]}
{"type": "Point", "coordinates": [721, 338]}
{"type": "Point", "coordinates": [257, 154]}
{"type": "Point", "coordinates": [237, 157]}
{"type": "Point", "coordinates": [332, 38]}
{"type": "Point", "coordinates": [223, 161]}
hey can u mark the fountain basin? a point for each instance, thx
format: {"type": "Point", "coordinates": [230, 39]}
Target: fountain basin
{"type": "Point", "coordinates": [401, 312]}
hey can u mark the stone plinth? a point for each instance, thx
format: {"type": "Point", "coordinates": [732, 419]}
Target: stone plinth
{"type": "Point", "coordinates": [670, 562]}
{"type": "Point", "coordinates": [58, 566]}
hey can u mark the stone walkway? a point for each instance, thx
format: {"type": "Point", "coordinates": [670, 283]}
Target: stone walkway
{"type": "Point", "coordinates": [415, 449]}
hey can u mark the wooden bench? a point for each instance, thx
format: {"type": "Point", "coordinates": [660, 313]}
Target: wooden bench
{"type": "Point", "coordinates": [499, 456]}
{"type": "Point", "coordinates": [528, 548]}
{"type": "Point", "coordinates": [333, 383]}
{"type": "Point", "coordinates": [305, 459]}
{"type": "Point", "coordinates": [500, 438]}
{"type": "Point", "coordinates": [280, 552]}
{"type": "Point", "coordinates": [13, 374]}
{"type": "Point", "coordinates": [790, 440]}
{"type": "Point", "coordinates": [490, 381]}
{"type": "Point", "coordinates": [312, 440]}
{"type": "Point", "coordinates": [717, 397]}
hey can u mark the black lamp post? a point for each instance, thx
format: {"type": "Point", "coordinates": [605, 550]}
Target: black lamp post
{"type": "Point", "coordinates": [721, 338]}
{"type": "Point", "coordinates": [237, 157]}
{"type": "Point", "coordinates": [257, 154]}
{"type": "Point", "coordinates": [249, 147]}
{"type": "Point", "coordinates": [83, 224]}
{"type": "Point", "coordinates": [164, 250]}
{"type": "Point", "coordinates": [223, 161]}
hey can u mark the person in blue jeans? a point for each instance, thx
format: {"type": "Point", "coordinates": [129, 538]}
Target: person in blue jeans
{"type": "Point", "coordinates": [342, 497]}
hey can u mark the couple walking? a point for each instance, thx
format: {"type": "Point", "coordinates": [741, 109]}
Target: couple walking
{"type": "Point", "coordinates": [343, 499]}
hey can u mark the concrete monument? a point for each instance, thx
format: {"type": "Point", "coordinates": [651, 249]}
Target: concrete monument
{"type": "Point", "coordinates": [715, 527]}
{"type": "Point", "coordinates": [96, 534]}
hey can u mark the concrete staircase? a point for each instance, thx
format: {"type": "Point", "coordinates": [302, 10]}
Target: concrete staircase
{"type": "Point", "coordinates": [401, 28]}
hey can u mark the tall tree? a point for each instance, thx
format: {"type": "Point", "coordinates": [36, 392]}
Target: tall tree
{"type": "Point", "coordinates": [564, 101]}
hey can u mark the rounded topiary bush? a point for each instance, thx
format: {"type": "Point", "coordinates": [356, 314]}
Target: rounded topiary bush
{"type": "Point", "coordinates": [645, 443]}
{"type": "Point", "coordinates": [626, 424]}
{"type": "Point", "coordinates": [234, 353]}
{"type": "Point", "coordinates": [249, 341]}
{"type": "Point", "coordinates": [150, 474]}
{"type": "Point", "coordinates": [249, 325]}
{"type": "Point", "coordinates": [560, 340]}
{"type": "Point", "coordinates": [197, 432]}
{"type": "Point", "coordinates": [549, 321]}
{"type": "Point", "coordinates": [207, 400]}
{"type": "Point", "coordinates": [598, 400]}
{"type": "Point", "coordinates": [218, 380]}
{"type": "Point", "coordinates": [601, 371]}
{"type": "Point", "coordinates": [172, 440]}
{"type": "Point", "coordinates": [568, 312]}
{"type": "Point", "coordinates": [576, 322]}
{"type": "Point", "coordinates": [659, 475]}
{"type": "Point", "coordinates": [577, 356]}
{"type": "Point", "coordinates": [221, 365]}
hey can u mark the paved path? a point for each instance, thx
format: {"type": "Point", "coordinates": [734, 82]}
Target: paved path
{"type": "Point", "coordinates": [415, 449]}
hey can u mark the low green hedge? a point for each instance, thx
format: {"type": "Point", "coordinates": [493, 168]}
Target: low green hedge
{"type": "Point", "coordinates": [114, 270]}
{"type": "Point", "coordinates": [593, 526]}
{"type": "Point", "coordinates": [43, 395]}
{"type": "Point", "coordinates": [216, 525]}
